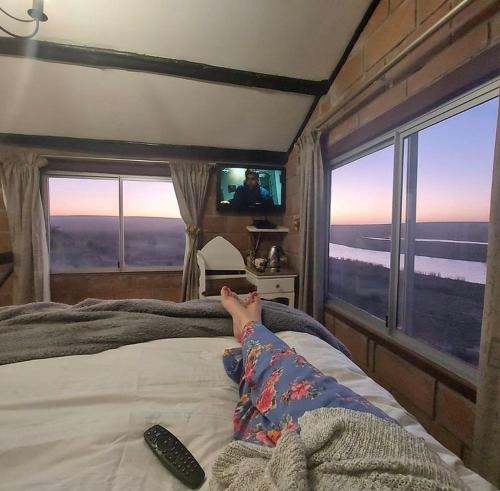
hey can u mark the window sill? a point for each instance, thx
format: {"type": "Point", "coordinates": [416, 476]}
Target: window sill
{"type": "Point", "coordinates": [172, 269]}
{"type": "Point", "coordinates": [407, 348]}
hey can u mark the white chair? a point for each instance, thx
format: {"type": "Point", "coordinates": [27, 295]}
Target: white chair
{"type": "Point", "coordinates": [221, 264]}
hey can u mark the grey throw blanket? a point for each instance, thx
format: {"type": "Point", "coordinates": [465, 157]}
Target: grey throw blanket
{"type": "Point", "coordinates": [337, 449]}
{"type": "Point", "coordinates": [46, 330]}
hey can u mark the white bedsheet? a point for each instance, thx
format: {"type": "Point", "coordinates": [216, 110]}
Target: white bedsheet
{"type": "Point", "coordinates": [76, 423]}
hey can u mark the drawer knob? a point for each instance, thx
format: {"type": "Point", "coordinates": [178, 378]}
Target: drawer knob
{"type": "Point", "coordinates": [278, 285]}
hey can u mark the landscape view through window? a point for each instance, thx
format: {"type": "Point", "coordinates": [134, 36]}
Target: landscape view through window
{"type": "Point", "coordinates": [442, 300]}
{"type": "Point", "coordinates": [84, 224]}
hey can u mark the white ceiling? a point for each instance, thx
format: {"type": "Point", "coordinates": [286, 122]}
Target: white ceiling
{"type": "Point", "coordinates": [64, 100]}
{"type": "Point", "coordinates": [297, 38]}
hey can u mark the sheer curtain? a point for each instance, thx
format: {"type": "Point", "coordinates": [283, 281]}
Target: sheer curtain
{"type": "Point", "coordinates": [312, 225]}
{"type": "Point", "coordinates": [486, 459]}
{"type": "Point", "coordinates": [20, 181]}
{"type": "Point", "coordinates": [190, 181]}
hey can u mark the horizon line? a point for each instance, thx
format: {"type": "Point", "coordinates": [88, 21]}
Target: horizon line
{"type": "Point", "coordinates": [111, 216]}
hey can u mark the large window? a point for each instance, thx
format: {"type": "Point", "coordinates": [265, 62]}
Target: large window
{"type": "Point", "coordinates": [409, 228]}
{"type": "Point", "coordinates": [444, 233]}
{"type": "Point", "coordinates": [113, 223]}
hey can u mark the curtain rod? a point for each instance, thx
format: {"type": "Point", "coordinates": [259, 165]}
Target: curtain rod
{"type": "Point", "coordinates": [106, 159]}
{"type": "Point", "coordinates": [327, 123]}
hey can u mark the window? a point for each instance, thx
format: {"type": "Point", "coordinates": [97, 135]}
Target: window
{"type": "Point", "coordinates": [84, 223]}
{"type": "Point", "coordinates": [444, 233]}
{"type": "Point", "coordinates": [360, 228]}
{"type": "Point", "coordinates": [409, 229]}
{"type": "Point", "coordinates": [113, 223]}
{"type": "Point", "coordinates": [153, 230]}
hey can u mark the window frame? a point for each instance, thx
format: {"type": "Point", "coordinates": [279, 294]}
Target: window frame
{"type": "Point", "coordinates": [383, 141]}
{"type": "Point", "coordinates": [121, 267]}
{"type": "Point", "coordinates": [457, 105]}
{"type": "Point", "coordinates": [374, 145]}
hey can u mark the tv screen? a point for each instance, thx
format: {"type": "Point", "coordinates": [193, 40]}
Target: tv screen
{"type": "Point", "coordinates": [247, 189]}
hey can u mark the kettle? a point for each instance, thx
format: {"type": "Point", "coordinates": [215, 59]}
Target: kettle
{"type": "Point", "coordinates": [274, 258]}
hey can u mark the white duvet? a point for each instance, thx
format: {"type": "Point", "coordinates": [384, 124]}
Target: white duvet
{"type": "Point", "coordinates": [76, 422]}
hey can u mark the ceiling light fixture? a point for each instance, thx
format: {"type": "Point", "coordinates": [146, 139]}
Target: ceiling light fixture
{"type": "Point", "coordinates": [37, 15]}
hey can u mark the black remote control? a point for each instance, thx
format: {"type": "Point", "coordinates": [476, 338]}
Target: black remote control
{"type": "Point", "coordinates": [174, 456]}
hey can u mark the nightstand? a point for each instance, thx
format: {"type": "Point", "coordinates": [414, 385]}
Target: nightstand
{"type": "Point", "coordinates": [274, 286]}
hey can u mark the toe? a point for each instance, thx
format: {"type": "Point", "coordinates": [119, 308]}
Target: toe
{"type": "Point", "coordinates": [225, 291]}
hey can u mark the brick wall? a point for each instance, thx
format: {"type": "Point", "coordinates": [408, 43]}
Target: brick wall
{"type": "Point", "coordinates": [392, 27]}
{"type": "Point", "coordinates": [72, 288]}
{"type": "Point", "coordinates": [444, 412]}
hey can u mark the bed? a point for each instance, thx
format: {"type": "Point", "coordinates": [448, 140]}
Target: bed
{"type": "Point", "coordinates": [76, 422]}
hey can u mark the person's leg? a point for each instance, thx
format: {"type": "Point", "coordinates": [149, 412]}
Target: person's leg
{"type": "Point", "coordinates": [277, 386]}
{"type": "Point", "coordinates": [284, 385]}
{"type": "Point", "coordinates": [249, 424]}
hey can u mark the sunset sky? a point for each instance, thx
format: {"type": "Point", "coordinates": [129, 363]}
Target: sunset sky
{"type": "Point", "coordinates": [69, 196]}
{"type": "Point", "coordinates": [454, 174]}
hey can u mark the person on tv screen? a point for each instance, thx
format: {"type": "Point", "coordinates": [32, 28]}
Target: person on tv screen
{"type": "Point", "coordinates": [251, 194]}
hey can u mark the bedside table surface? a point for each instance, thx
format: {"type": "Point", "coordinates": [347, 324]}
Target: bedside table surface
{"type": "Point", "coordinates": [283, 273]}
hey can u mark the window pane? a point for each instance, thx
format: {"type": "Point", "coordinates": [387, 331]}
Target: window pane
{"type": "Point", "coordinates": [84, 223]}
{"type": "Point", "coordinates": [360, 229]}
{"type": "Point", "coordinates": [445, 233]}
{"type": "Point", "coordinates": [154, 231]}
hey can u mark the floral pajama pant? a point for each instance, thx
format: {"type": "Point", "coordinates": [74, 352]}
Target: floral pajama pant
{"type": "Point", "coordinates": [277, 386]}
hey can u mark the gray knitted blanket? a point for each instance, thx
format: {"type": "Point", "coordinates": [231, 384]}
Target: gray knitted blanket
{"type": "Point", "coordinates": [46, 330]}
{"type": "Point", "coordinates": [337, 449]}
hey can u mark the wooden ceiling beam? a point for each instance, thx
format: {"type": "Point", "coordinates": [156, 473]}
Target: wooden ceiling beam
{"type": "Point", "coordinates": [144, 150]}
{"type": "Point", "coordinates": [122, 60]}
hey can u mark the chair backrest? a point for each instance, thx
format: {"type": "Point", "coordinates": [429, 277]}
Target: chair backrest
{"type": "Point", "coordinates": [219, 259]}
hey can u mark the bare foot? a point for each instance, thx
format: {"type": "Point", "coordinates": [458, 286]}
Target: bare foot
{"type": "Point", "coordinates": [254, 306]}
{"type": "Point", "coordinates": [238, 311]}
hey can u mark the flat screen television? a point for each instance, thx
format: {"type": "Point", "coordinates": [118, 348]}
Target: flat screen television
{"type": "Point", "coordinates": [258, 190]}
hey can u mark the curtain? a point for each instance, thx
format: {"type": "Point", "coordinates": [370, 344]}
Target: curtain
{"type": "Point", "coordinates": [190, 181]}
{"type": "Point", "coordinates": [313, 225]}
{"type": "Point", "coordinates": [20, 181]}
{"type": "Point", "coordinates": [486, 446]}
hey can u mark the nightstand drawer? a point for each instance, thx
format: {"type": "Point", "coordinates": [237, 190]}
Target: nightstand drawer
{"type": "Point", "coordinates": [275, 285]}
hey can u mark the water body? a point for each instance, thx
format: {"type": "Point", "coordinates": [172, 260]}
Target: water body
{"type": "Point", "coordinates": [472, 271]}
{"type": "Point", "coordinates": [433, 240]}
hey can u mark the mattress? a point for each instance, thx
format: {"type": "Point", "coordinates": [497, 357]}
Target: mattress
{"type": "Point", "coordinates": [76, 422]}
